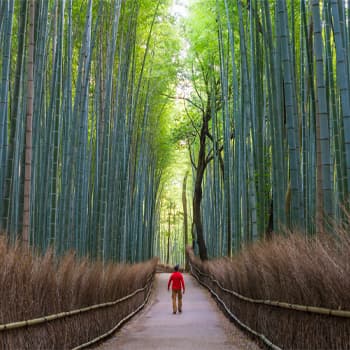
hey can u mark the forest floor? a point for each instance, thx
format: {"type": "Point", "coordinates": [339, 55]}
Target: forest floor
{"type": "Point", "coordinates": [200, 326]}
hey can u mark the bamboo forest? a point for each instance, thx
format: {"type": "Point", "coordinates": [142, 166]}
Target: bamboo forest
{"type": "Point", "coordinates": [140, 134]}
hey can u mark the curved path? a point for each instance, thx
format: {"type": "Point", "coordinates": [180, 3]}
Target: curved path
{"type": "Point", "coordinates": [201, 325]}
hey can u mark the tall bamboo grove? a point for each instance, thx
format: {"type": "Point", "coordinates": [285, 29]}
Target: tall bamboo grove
{"type": "Point", "coordinates": [279, 134]}
{"type": "Point", "coordinates": [78, 115]}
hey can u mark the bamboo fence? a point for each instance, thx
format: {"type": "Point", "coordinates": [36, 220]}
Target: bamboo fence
{"type": "Point", "coordinates": [281, 304]}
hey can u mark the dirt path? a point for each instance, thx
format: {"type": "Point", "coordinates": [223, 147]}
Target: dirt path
{"type": "Point", "coordinates": [201, 325]}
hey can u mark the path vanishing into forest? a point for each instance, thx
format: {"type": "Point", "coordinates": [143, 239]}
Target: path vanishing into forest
{"type": "Point", "coordinates": [201, 325]}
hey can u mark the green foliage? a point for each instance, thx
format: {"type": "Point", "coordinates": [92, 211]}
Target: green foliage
{"type": "Point", "coordinates": [202, 29]}
{"type": "Point", "coordinates": [122, 90]}
{"type": "Point", "coordinates": [100, 132]}
{"type": "Point", "coordinates": [261, 56]}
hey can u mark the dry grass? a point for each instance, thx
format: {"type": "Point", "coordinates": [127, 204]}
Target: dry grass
{"type": "Point", "coordinates": [295, 269]}
{"type": "Point", "coordinates": [33, 286]}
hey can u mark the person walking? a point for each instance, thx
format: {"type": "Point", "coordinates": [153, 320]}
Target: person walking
{"type": "Point", "coordinates": [178, 283]}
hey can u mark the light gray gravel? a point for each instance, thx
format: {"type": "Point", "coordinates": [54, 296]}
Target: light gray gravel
{"type": "Point", "coordinates": [201, 325]}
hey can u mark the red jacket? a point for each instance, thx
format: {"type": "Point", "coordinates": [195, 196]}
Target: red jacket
{"type": "Point", "coordinates": [178, 281]}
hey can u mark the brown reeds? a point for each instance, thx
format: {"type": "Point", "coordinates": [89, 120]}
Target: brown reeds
{"type": "Point", "coordinates": [33, 286]}
{"type": "Point", "coordinates": [295, 269]}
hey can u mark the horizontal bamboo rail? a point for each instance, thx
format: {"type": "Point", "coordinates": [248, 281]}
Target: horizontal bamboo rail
{"type": "Point", "coordinates": [118, 325]}
{"type": "Point", "coordinates": [281, 304]}
{"type": "Point", "coordinates": [235, 318]}
{"type": "Point", "coordinates": [45, 319]}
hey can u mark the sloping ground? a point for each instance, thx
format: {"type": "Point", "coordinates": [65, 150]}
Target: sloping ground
{"type": "Point", "coordinates": [201, 325]}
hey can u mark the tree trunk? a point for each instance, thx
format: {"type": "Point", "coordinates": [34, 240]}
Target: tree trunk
{"type": "Point", "coordinates": [168, 241]}
{"type": "Point", "coordinates": [29, 116]}
{"type": "Point", "coordinates": [197, 197]}
{"type": "Point", "coordinates": [184, 204]}
{"type": "Point", "coordinates": [269, 229]}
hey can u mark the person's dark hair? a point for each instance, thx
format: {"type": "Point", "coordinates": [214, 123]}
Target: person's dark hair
{"type": "Point", "coordinates": [176, 267]}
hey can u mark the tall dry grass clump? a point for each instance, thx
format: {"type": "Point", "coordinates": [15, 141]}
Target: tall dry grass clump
{"type": "Point", "coordinates": [311, 271]}
{"type": "Point", "coordinates": [33, 286]}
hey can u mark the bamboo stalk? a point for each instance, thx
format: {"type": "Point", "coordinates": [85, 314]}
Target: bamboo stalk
{"type": "Point", "coordinates": [29, 126]}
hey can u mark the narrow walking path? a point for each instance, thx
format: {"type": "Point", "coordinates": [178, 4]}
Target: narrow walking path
{"type": "Point", "coordinates": [201, 325]}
